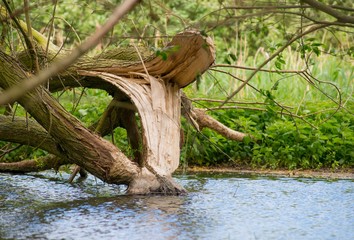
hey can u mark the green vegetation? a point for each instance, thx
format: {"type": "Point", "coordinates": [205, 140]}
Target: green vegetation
{"type": "Point", "coordinates": [299, 111]}
{"type": "Point", "coordinates": [278, 141]}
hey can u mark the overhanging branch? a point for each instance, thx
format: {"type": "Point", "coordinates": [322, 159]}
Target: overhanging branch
{"type": "Point", "coordinates": [17, 91]}
{"type": "Point", "coordinates": [331, 11]}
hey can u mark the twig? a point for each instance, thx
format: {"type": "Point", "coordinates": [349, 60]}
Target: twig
{"type": "Point", "coordinates": [314, 28]}
{"type": "Point", "coordinates": [285, 7]}
{"type": "Point", "coordinates": [32, 49]}
{"type": "Point", "coordinates": [290, 114]}
{"type": "Point", "coordinates": [13, 93]}
{"type": "Point", "coordinates": [7, 150]}
{"type": "Point", "coordinates": [260, 70]}
{"type": "Point", "coordinates": [236, 102]}
{"type": "Point", "coordinates": [51, 26]}
{"type": "Point", "coordinates": [27, 38]}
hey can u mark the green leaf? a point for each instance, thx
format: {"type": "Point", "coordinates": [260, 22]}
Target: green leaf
{"type": "Point", "coordinates": [247, 140]}
{"type": "Point", "coordinates": [233, 56]}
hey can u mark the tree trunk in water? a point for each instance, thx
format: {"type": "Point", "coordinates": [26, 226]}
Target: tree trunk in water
{"type": "Point", "coordinates": [153, 87]}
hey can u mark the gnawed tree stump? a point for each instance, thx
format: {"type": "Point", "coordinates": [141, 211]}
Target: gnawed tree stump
{"type": "Point", "coordinates": [151, 87]}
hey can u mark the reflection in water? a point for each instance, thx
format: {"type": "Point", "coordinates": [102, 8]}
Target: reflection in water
{"type": "Point", "coordinates": [217, 207]}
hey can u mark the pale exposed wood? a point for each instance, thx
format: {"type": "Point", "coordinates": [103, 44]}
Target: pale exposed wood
{"type": "Point", "coordinates": [189, 54]}
{"type": "Point", "coordinates": [153, 87]}
{"type": "Point", "coordinates": [158, 105]}
{"type": "Point", "coordinates": [204, 120]}
{"type": "Point", "coordinates": [157, 97]}
{"type": "Point", "coordinates": [199, 119]}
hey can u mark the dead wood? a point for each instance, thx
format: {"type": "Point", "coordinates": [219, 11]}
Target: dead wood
{"type": "Point", "coordinates": [153, 87]}
{"type": "Point", "coordinates": [26, 132]}
{"type": "Point", "coordinates": [33, 165]}
{"type": "Point", "coordinates": [199, 119]}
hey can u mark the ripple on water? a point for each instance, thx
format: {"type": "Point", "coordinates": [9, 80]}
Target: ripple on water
{"type": "Point", "coordinates": [44, 206]}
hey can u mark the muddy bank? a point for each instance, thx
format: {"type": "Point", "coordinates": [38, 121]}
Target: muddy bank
{"type": "Point", "coordinates": [321, 173]}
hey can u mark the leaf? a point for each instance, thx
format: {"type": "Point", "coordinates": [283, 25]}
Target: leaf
{"type": "Point", "coordinates": [162, 54]}
{"type": "Point", "coordinates": [233, 56]}
{"type": "Point", "coordinates": [275, 86]}
{"type": "Point", "coordinates": [247, 140]}
{"type": "Point", "coordinates": [83, 112]}
{"type": "Point", "coordinates": [226, 60]}
{"type": "Point", "coordinates": [279, 62]}
{"type": "Point", "coordinates": [316, 51]}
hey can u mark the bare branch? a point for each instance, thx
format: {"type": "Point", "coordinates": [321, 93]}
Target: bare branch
{"type": "Point", "coordinates": [32, 50]}
{"type": "Point", "coordinates": [331, 11]}
{"type": "Point", "coordinates": [236, 102]}
{"type": "Point", "coordinates": [17, 91]}
{"type": "Point", "coordinates": [26, 132]}
{"type": "Point", "coordinates": [312, 29]}
{"type": "Point", "coordinates": [284, 7]}
{"type": "Point", "coordinates": [260, 70]}
{"type": "Point", "coordinates": [34, 165]}
{"type": "Point", "coordinates": [27, 38]}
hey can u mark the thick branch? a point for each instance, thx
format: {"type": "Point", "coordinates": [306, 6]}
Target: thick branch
{"type": "Point", "coordinates": [40, 164]}
{"type": "Point", "coordinates": [121, 114]}
{"type": "Point", "coordinates": [204, 120]}
{"type": "Point", "coordinates": [17, 91]}
{"type": "Point", "coordinates": [331, 11]}
{"type": "Point", "coordinates": [79, 145]}
{"type": "Point", "coordinates": [27, 132]}
{"type": "Point", "coordinates": [200, 119]}
{"type": "Point", "coordinates": [188, 55]}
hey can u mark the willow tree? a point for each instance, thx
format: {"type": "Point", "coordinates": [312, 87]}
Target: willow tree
{"type": "Point", "coordinates": [146, 88]}
{"type": "Point", "coordinates": [146, 91]}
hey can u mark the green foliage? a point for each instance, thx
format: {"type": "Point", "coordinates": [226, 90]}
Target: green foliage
{"type": "Point", "coordinates": [277, 142]}
{"type": "Point", "coordinates": [166, 52]}
{"type": "Point", "coordinates": [242, 37]}
{"type": "Point", "coordinates": [16, 152]}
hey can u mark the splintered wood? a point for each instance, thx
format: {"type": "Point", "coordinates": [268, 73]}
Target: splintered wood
{"type": "Point", "coordinates": [154, 88]}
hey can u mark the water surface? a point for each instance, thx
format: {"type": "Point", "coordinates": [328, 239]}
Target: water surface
{"type": "Point", "coordinates": [218, 206]}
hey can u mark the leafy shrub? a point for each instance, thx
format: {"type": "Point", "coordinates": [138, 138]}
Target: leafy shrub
{"type": "Point", "coordinates": [278, 142]}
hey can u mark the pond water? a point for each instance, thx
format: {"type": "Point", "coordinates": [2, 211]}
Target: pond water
{"type": "Point", "coordinates": [218, 206]}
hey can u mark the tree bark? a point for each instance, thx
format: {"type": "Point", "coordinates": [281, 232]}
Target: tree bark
{"type": "Point", "coordinates": [199, 119]}
{"type": "Point", "coordinates": [27, 132]}
{"type": "Point", "coordinates": [77, 143]}
{"type": "Point", "coordinates": [33, 165]}
{"type": "Point", "coordinates": [153, 87]}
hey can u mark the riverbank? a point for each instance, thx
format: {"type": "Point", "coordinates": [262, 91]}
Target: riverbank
{"type": "Point", "coordinates": [320, 173]}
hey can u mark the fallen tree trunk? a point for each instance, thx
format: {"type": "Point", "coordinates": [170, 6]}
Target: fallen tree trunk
{"type": "Point", "coordinates": [100, 158]}
{"type": "Point", "coordinates": [153, 87]}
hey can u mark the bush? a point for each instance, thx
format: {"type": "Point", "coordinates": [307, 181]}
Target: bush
{"type": "Point", "coordinates": [279, 142]}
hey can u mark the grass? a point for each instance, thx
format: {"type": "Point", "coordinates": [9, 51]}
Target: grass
{"type": "Point", "coordinates": [322, 134]}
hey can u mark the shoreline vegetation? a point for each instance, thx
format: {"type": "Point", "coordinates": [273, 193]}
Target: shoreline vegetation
{"type": "Point", "coordinates": [325, 173]}
{"type": "Point", "coordinates": [285, 86]}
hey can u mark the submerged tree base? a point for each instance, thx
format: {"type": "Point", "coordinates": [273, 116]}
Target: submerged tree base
{"type": "Point", "coordinates": [147, 91]}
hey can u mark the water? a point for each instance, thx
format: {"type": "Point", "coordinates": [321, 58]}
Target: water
{"type": "Point", "coordinates": [227, 206]}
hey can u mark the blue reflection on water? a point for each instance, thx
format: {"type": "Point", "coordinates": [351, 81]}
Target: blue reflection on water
{"type": "Point", "coordinates": [218, 207]}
